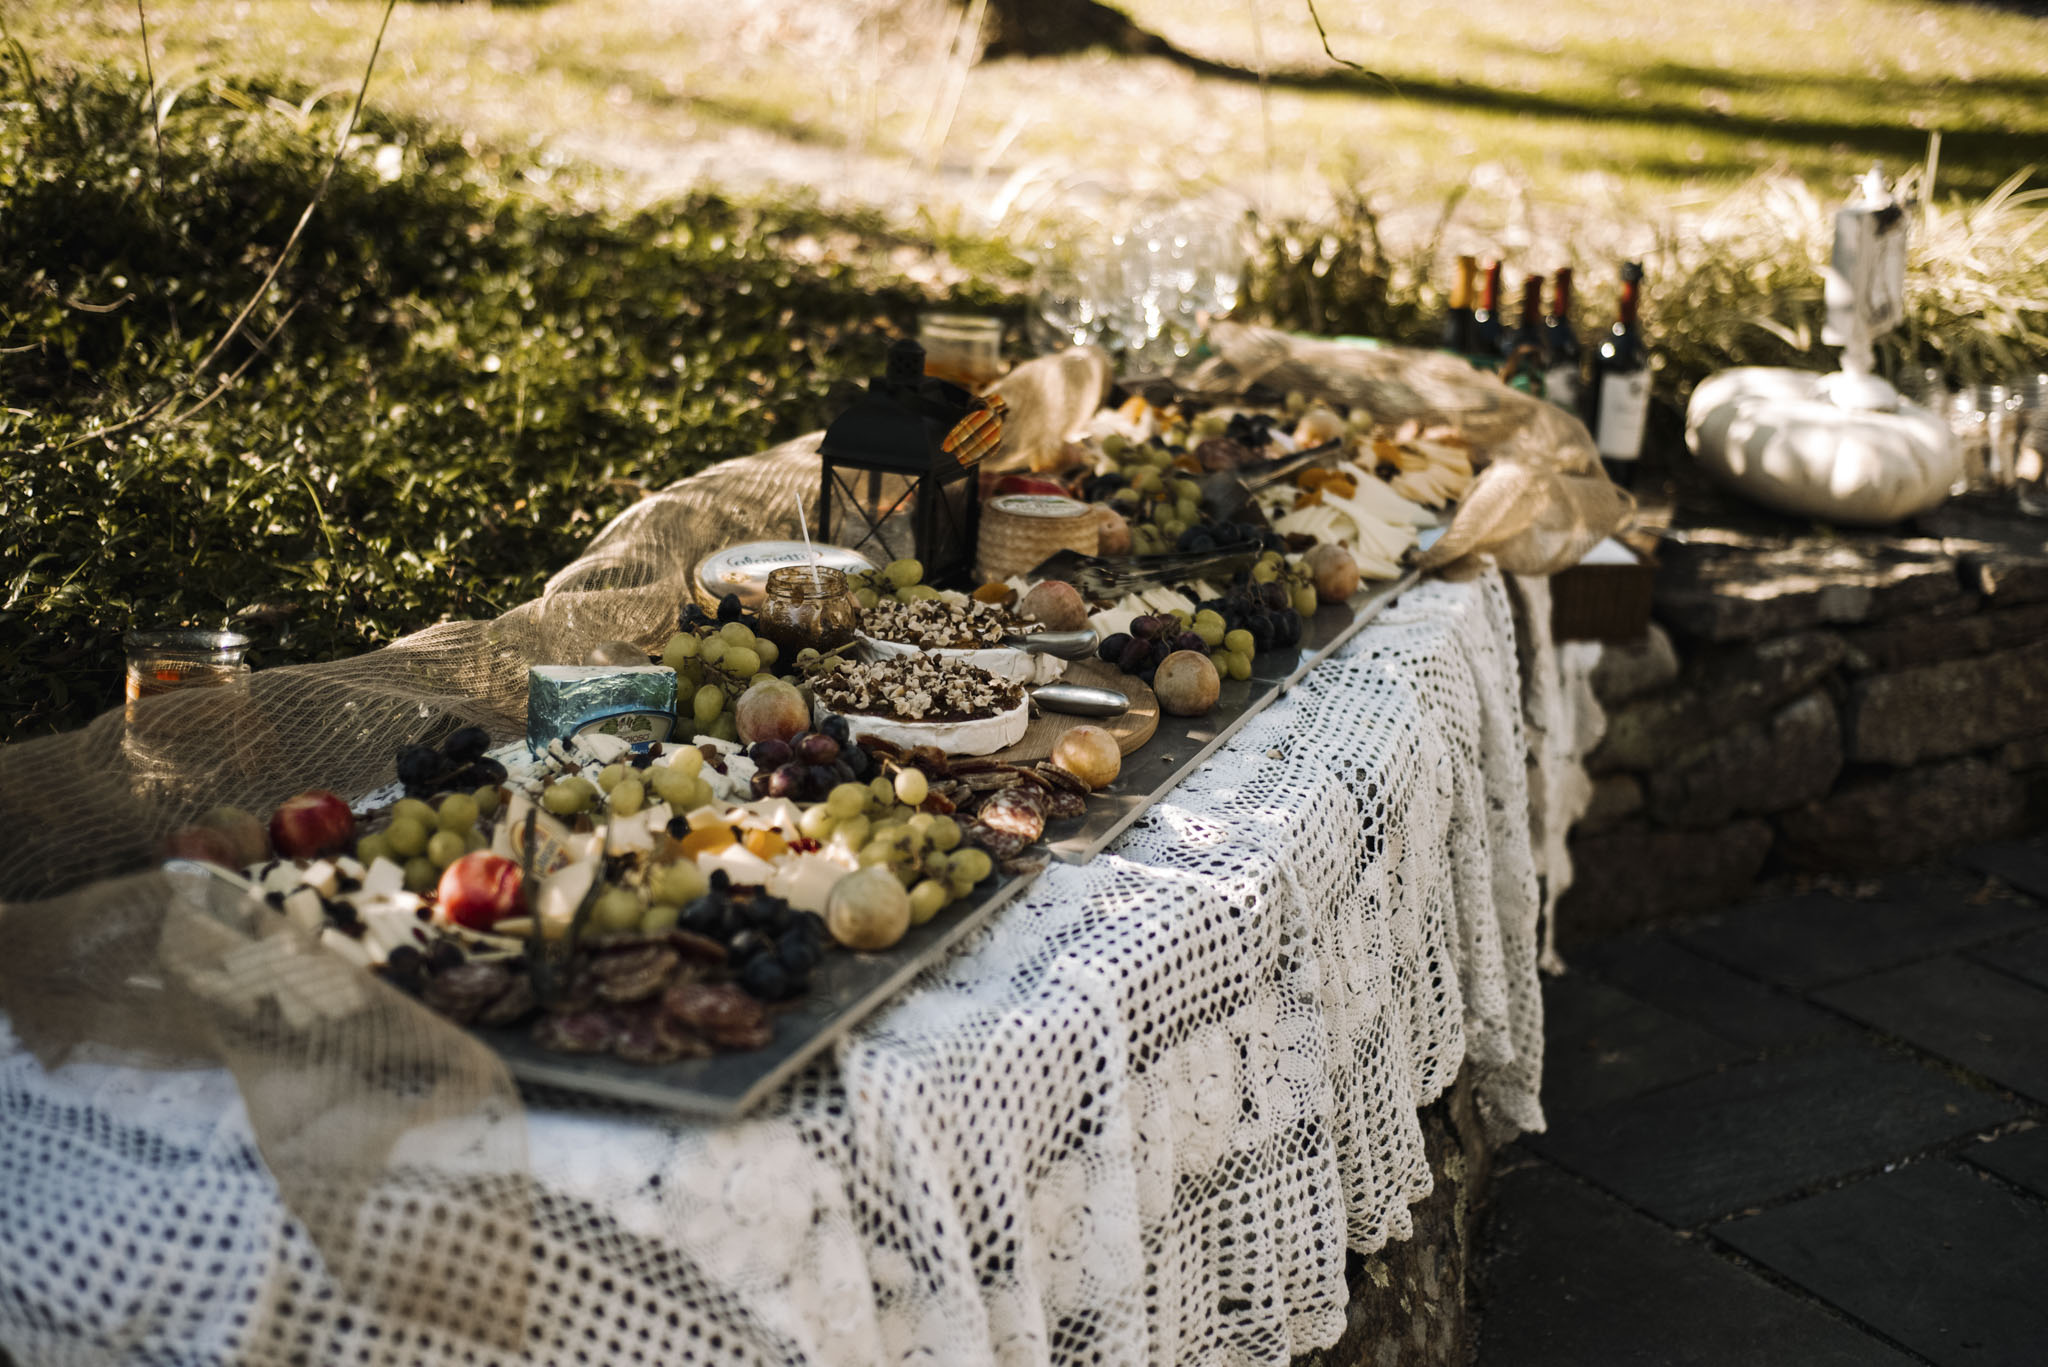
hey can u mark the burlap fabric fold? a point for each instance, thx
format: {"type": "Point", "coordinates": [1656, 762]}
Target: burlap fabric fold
{"type": "Point", "coordinates": [1541, 500]}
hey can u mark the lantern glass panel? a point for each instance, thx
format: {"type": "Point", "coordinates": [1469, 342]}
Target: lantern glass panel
{"type": "Point", "coordinates": [873, 512]}
{"type": "Point", "coordinates": [950, 542]}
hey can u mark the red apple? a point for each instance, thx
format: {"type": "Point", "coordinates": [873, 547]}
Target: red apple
{"type": "Point", "coordinates": [312, 824]}
{"type": "Point", "coordinates": [480, 889]}
{"type": "Point", "coordinates": [206, 844]}
{"type": "Point", "coordinates": [1025, 484]}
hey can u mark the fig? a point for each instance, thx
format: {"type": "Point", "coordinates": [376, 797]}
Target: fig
{"type": "Point", "coordinates": [206, 844]}
{"type": "Point", "coordinates": [1090, 754]}
{"type": "Point", "coordinates": [1112, 533]}
{"type": "Point", "coordinates": [771, 710]}
{"type": "Point", "coordinates": [1055, 604]}
{"type": "Point", "coordinates": [868, 909]}
{"type": "Point", "coordinates": [1333, 571]}
{"type": "Point", "coordinates": [1187, 683]}
{"type": "Point", "coordinates": [244, 829]}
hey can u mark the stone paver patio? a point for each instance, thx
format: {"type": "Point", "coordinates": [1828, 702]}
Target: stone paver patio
{"type": "Point", "coordinates": [1803, 1131]}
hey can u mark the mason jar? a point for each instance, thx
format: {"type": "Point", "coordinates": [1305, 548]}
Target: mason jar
{"type": "Point", "coordinates": [808, 607]}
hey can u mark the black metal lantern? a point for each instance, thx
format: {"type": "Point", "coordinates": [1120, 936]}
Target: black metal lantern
{"type": "Point", "coordinates": [899, 469]}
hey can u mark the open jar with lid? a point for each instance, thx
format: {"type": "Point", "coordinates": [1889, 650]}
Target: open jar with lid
{"type": "Point", "coordinates": [808, 607]}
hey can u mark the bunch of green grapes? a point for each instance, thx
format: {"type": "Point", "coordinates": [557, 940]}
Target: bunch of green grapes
{"type": "Point", "coordinates": [427, 839]}
{"type": "Point", "coordinates": [902, 580]}
{"type": "Point", "coordinates": [1159, 499]}
{"type": "Point", "coordinates": [623, 790]}
{"type": "Point", "coordinates": [714, 664]}
{"type": "Point", "coordinates": [1293, 578]}
{"type": "Point", "coordinates": [653, 907]}
{"type": "Point", "coordinates": [878, 821]}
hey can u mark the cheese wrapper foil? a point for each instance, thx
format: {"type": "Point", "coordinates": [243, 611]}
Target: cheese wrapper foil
{"type": "Point", "coordinates": [625, 699]}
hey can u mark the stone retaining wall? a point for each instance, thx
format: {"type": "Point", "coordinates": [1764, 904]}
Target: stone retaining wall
{"type": "Point", "coordinates": [1809, 702]}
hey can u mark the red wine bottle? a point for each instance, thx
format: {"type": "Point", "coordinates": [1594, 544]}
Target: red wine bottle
{"type": "Point", "coordinates": [1527, 345]}
{"type": "Point", "coordinates": [1458, 322]}
{"type": "Point", "coordinates": [1562, 381]}
{"type": "Point", "coordinates": [1487, 332]}
{"type": "Point", "coordinates": [1621, 383]}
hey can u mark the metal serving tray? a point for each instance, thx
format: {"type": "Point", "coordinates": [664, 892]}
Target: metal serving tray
{"type": "Point", "coordinates": [845, 987]}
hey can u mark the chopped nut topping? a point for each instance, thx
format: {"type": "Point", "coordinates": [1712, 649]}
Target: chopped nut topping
{"type": "Point", "coordinates": [916, 688]}
{"type": "Point", "coordinates": [935, 624]}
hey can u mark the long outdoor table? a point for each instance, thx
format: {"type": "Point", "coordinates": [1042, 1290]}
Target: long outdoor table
{"type": "Point", "coordinates": [1140, 1117]}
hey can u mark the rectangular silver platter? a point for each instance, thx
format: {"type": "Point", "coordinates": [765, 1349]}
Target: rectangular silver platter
{"type": "Point", "coordinates": [1181, 743]}
{"type": "Point", "coordinates": [845, 988]}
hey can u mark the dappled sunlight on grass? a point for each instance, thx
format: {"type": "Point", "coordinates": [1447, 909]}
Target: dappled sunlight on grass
{"type": "Point", "coordinates": [1662, 104]}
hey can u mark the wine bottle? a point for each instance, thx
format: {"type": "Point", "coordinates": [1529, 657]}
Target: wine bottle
{"type": "Point", "coordinates": [1487, 332]}
{"type": "Point", "coordinates": [1621, 383]}
{"type": "Point", "coordinates": [1526, 347]}
{"type": "Point", "coordinates": [1458, 322]}
{"type": "Point", "coordinates": [1561, 382]}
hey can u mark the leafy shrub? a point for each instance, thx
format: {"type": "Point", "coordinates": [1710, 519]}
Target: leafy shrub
{"type": "Point", "coordinates": [466, 377]}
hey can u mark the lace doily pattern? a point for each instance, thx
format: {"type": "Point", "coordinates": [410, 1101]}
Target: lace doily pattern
{"type": "Point", "coordinates": [1139, 1118]}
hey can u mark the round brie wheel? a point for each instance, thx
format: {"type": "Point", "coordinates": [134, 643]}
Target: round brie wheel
{"type": "Point", "coordinates": [1011, 666]}
{"type": "Point", "coordinates": [980, 736]}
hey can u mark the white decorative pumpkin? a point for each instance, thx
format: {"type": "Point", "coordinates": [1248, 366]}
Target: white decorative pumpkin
{"type": "Point", "coordinates": [1777, 437]}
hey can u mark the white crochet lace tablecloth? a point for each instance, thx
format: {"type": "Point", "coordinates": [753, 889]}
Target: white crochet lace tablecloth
{"type": "Point", "coordinates": [1138, 1119]}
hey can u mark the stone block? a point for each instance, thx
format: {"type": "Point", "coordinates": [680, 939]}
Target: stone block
{"type": "Point", "coordinates": [2031, 753]}
{"type": "Point", "coordinates": [1729, 587]}
{"type": "Point", "coordinates": [1732, 687]}
{"type": "Point", "coordinates": [2002, 553]}
{"type": "Point", "coordinates": [1615, 798]}
{"type": "Point", "coordinates": [1761, 766]}
{"type": "Point", "coordinates": [1930, 638]}
{"type": "Point", "coordinates": [1950, 708]}
{"type": "Point", "coordinates": [1634, 668]}
{"type": "Point", "coordinates": [1903, 818]}
{"type": "Point", "coordinates": [1637, 874]}
{"type": "Point", "coordinates": [1408, 1306]}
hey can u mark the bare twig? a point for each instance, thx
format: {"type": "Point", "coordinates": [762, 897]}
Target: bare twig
{"type": "Point", "coordinates": [319, 193]}
{"type": "Point", "coordinates": [270, 277]}
{"type": "Point", "coordinates": [1324, 34]}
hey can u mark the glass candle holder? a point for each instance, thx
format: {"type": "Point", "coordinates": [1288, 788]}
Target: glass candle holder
{"type": "Point", "coordinates": [965, 348]}
{"type": "Point", "coordinates": [808, 607]}
{"type": "Point", "coordinates": [170, 658]}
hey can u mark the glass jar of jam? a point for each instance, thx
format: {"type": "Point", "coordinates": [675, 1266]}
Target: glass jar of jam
{"type": "Point", "coordinates": [808, 607]}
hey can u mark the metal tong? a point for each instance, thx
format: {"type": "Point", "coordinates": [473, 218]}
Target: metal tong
{"type": "Point", "coordinates": [1066, 645]}
{"type": "Point", "coordinates": [1225, 492]}
{"type": "Point", "coordinates": [1080, 700]}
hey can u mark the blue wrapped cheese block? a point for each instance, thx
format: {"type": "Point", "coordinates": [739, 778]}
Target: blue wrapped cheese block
{"type": "Point", "coordinates": [636, 703]}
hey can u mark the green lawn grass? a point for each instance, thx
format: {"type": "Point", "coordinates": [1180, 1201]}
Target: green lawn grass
{"type": "Point", "coordinates": [1588, 108]}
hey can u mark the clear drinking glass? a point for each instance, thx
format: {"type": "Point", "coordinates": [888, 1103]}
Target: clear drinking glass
{"type": "Point", "coordinates": [965, 348]}
{"type": "Point", "coordinates": [170, 658]}
{"type": "Point", "coordinates": [2030, 444]}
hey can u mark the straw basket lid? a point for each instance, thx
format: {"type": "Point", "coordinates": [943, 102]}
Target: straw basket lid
{"type": "Point", "coordinates": [1019, 530]}
{"type": "Point", "coordinates": [743, 569]}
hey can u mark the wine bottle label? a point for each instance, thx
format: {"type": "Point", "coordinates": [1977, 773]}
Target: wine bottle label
{"type": "Point", "coordinates": [1561, 386]}
{"type": "Point", "coordinates": [1624, 409]}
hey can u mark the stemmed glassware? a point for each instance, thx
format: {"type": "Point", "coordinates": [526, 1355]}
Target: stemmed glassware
{"type": "Point", "coordinates": [1149, 297]}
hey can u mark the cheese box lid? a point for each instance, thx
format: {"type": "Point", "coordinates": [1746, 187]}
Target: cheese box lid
{"type": "Point", "coordinates": [743, 569]}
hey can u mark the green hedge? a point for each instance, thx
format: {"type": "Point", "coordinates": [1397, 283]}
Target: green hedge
{"type": "Point", "coordinates": [473, 376]}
